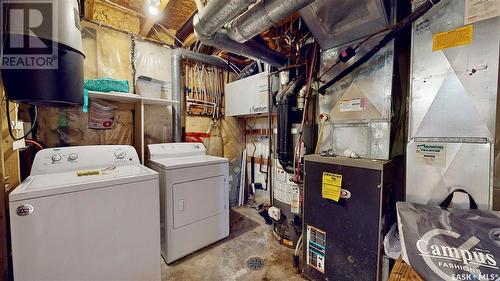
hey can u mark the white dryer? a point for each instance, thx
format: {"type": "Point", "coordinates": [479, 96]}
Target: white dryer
{"type": "Point", "coordinates": [86, 213]}
{"type": "Point", "coordinates": [194, 197]}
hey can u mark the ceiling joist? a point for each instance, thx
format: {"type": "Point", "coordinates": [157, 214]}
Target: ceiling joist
{"type": "Point", "coordinates": [88, 9]}
{"type": "Point", "coordinates": [151, 20]}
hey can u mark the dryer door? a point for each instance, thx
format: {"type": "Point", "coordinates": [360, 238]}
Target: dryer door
{"type": "Point", "coordinates": [198, 199]}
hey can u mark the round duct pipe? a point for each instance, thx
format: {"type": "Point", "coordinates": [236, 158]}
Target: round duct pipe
{"type": "Point", "coordinates": [42, 54]}
{"type": "Point", "coordinates": [264, 15]}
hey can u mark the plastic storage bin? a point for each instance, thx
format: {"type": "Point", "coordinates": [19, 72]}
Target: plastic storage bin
{"type": "Point", "coordinates": [149, 89]}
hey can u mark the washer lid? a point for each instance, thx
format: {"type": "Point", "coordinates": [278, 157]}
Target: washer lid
{"type": "Point", "coordinates": [183, 162]}
{"type": "Point", "coordinates": [65, 182]}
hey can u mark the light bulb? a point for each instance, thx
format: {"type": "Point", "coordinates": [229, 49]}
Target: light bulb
{"type": "Point", "coordinates": [153, 10]}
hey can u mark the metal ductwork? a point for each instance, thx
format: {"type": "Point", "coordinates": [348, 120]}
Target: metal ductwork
{"type": "Point", "coordinates": [250, 49]}
{"type": "Point", "coordinates": [266, 14]}
{"type": "Point", "coordinates": [217, 13]}
{"type": "Point", "coordinates": [177, 56]}
{"type": "Point", "coordinates": [208, 25]}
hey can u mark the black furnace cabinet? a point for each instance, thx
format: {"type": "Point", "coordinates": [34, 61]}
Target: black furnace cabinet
{"type": "Point", "coordinates": [344, 240]}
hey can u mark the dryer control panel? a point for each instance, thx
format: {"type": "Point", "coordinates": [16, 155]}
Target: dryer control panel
{"type": "Point", "coordinates": [179, 149]}
{"type": "Point", "coordinates": [61, 159]}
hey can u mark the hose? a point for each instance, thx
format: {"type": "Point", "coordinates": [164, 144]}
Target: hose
{"type": "Point", "coordinates": [296, 253]}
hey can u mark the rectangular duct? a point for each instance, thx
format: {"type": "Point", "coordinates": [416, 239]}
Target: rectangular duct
{"type": "Point", "coordinates": [361, 106]}
{"type": "Point", "coordinates": [454, 90]}
{"type": "Point", "coordinates": [337, 22]}
{"type": "Point", "coordinates": [453, 105]}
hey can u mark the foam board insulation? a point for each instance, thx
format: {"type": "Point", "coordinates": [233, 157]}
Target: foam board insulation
{"type": "Point", "coordinates": [116, 18]}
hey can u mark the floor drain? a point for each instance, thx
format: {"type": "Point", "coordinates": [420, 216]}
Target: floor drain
{"type": "Point", "coordinates": [255, 263]}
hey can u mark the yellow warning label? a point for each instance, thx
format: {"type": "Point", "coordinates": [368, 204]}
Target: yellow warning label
{"type": "Point", "coordinates": [88, 173]}
{"type": "Point", "coordinates": [453, 38]}
{"type": "Point", "coordinates": [331, 186]}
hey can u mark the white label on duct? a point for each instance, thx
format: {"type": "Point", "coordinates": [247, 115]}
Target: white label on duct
{"type": "Point", "coordinates": [430, 154]}
{"type": "Point", "coordinates": [358, 104]}
{"type": "Point", "coordinates": [478, 10]}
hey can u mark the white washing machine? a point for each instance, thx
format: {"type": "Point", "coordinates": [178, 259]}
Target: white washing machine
{"type": "Point", "coordinates": [86, 213]}
{"type": "Point", "coordinates": [194, 197]}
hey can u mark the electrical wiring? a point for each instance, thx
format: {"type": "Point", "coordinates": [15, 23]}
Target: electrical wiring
{"type": "Point", "coordinates": [356, 47]}
{"type": "Point", "coordinates": [34, 143]}
{"type": "Point", "coordinates": [4, 31]}
{"type": "Point", "coordinates": [9, 122]}
{"type": "Point", "coordinates": [234, 68]}
{"type": "Point", "coordinates": [252, 128]}
{"type": "Point", "coordinates": [298, 150]}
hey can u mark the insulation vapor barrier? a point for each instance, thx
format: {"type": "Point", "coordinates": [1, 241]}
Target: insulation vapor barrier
{"type": "Point", "coordinates": [109, 55]}
{"type": "Point", "coordinates": [63, 127]}
{"type": "Point", "coordinates": [153, 61]}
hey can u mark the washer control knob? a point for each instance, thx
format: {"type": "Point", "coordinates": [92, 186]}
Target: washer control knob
{"type": "Point", "coordinates": [120, 154]}
{"type": "Point", "coordinates": [56, 158]}
{"type": "Point", "coordinates": [73, 157]}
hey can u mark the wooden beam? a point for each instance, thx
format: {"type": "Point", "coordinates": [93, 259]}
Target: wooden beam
{"type": "Point", "coordinates": [88, 10]}
{"type": "Point", "coordinates": [151, 20]}
{"type": "Point", "coordinates": [186, 30]}
{"type": "Point", "coordinates": [235, 60]}
{"type": "Point", "coordinates": [190, 40]}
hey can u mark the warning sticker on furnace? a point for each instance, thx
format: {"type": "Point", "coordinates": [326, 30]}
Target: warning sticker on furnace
{"type": "Point", "coordinates": [331, 186]}
{"type": "Point", "coordinates": [430, 154]}
{"type": "Point", "coordinates": [453, 38]}
{"type": "Point", "coordinates": [316, 246]}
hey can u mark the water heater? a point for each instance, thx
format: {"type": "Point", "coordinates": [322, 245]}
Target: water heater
{"type": "Point", "coordinates": [42, 54]}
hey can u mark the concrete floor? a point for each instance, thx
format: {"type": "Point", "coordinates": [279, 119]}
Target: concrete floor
{"type": "Point", "coordinates": [226, 259]}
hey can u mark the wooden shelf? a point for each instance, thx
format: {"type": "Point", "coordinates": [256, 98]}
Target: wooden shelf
{"type": "Point", "coordinates": [129, 98]}
{"type": "Point", "coordinates": [114, 96]}
{"type": "Point", "coordinates": [139, 104]}
{"type": "Point", "coordinates": [153, 101]}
